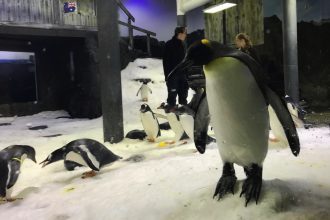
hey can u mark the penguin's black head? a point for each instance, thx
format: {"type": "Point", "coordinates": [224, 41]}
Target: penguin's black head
{"type": "Point", "coordinates": [144, 108]}
{"type": "Point", "coordinates": [54, 156]}
{"type": "Point", "coordinates": [20, 151]}
{"type": "Point", "coordinates": [199, 53]}
{"type": "Point", "coordinates": [29, 151]}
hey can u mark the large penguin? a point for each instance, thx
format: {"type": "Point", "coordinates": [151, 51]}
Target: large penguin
{"type": "Point", "coordinates": [150, 122]}
{"type": "Point", "coordinates": [237, 100]}
{"type": "Point", "coordinates": [82, 152]}
{"type": "Point", "coordinates": [11, 159]}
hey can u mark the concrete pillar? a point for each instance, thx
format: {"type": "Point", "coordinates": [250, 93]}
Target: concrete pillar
{"type": "Point", "coordinates": [111, 96]}
{"type": "Point", "coordinates": [290, 51]}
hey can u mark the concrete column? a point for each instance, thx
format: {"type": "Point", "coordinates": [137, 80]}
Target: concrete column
{"type": "Point", "coordinates": [111, 96]}
{"type": "Point", "coordinates": [290, 51]}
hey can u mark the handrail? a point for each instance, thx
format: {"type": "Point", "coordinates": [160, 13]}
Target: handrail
{"type": "Point", "coordinates": [125, 10]}
{"type": "Point", "coordinates": [137, 28]}
{"type": "Point", "coordinates": [132, 27]}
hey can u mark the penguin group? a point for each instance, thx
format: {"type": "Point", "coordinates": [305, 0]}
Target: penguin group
{"type": "Point", "coordinates": [238, 100]}
{"type": "Point", "coordinates": [77, 153]}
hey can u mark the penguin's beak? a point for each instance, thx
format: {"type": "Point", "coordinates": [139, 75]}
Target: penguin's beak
{"type": "Point", "coordinates": [34, 159]}
{"type": "Point", "coordinates": [181, 68]}
{"type": "Point", "coordinates": [44, 163]}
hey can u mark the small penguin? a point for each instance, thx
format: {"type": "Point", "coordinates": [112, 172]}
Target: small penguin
{"type": "Point", "coordinates": [11, 159]}
{"type": "Point", "coordinates": [144, 89]}
{"type": "Point", "coordinates": [82, 152]}
{"type": "Point", "coordinates": [195, 120]}
{"type": "Point", "coordinates": [150, 123]}
{"type": "Point", "coordinates": [175, 123]}
{"type": "Point", "coordinates": [237, 98]}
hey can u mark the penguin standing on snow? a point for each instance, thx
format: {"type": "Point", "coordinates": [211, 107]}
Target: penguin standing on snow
{"type": "Point", "coordinates": [144, 89]}
{"type": "Point", "coordinates": [82, 152]}
{"type": "Point", "coordinates": [11, 159]}
{"type": "Point", "coordinates": [174, 121]}
{"type": "Point", "coordinates": [237, 99]}
{"type": "Point", "coordinates": [150, 122]}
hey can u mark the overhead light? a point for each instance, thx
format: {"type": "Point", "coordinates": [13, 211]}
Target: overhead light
{"type": "Point", "coordinates": [219, 7]}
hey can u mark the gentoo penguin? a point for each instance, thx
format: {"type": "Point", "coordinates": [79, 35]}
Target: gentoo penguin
{"type": "Point", "coordinates": [195, 120]}
{"type": "Point", "coordinates": [237, 99]}
{"type": "Point", "coordinates": [144, 89]}
{"type": "Point", "coordinates": [174, 121]}
{"type": "Point", "coordinates": [150, 123]}
{"type": "Point", "coordinates": [11, 159]}
{"type": "Point", "coordinates": [82, 152]}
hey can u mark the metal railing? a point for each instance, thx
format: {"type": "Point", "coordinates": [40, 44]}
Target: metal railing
{"type": "Point", "coordinates": [132, 27]}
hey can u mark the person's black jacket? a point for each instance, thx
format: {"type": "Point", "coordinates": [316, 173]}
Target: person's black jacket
{"type": "Point", "coordinates": [174, 53]}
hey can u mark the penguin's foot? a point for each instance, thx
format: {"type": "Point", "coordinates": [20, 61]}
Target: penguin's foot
{"type": "Point", "coordinates": [151, 140]}
{"type": "Point", "coordinates": [10, 199]}
{"type": "Point", "coordinates": [88, 174]}
{"type": "Point", "coordinates": [227, 181]}
{"type": "Point", "coordinates": [145, 100]}
{"type": "Point", "coordinates": [252, 185]}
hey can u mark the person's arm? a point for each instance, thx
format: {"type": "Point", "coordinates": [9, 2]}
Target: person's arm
{"type": "Point", "coordinates": [166, 61]}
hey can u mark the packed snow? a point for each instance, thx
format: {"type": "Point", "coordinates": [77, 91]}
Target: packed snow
{"type": "Point", "coordinates": [171, 182]}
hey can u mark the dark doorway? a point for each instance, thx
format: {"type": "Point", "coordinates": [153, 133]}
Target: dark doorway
{"type": "Point", "coordinates": [17, 77]}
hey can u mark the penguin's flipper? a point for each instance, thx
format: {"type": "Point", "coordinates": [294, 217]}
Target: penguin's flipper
{"type": "Point", "coordinates": [71, 165]}
{"type": "Point", "coordinates": [201, 124]}
{"type": "Point", "coordinates": [284, 117]}
{"type": "Point", "coordinates": [3, 178]}
{"type": "Point", "coordinates": [90, 160]}
{"type": "Point", "coordinates": [12, 175]}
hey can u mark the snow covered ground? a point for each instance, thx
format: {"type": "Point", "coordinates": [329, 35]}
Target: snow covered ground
{"type": "Point", "coordinates": [170, 183]}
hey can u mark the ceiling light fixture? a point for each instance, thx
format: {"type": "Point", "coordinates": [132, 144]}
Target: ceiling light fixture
{"type": "Point", "coordinates": [219, 7]}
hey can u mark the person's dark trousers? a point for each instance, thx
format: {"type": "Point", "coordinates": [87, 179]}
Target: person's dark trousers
{"type": "Point", "coordinates": [177, 86]}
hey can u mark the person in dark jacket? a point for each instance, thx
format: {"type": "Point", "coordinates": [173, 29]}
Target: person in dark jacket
{"type": "Point", "coordinates": [174, 53]}
{"type": "Point", "coordinates": [244, 44]}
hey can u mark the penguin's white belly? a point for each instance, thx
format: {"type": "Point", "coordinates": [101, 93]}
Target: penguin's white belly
{"type": "Point", "coordinates": [175, 125]}
{"type": "Point", "coordinates": [238, 112]}
{"type": "Point", "coordinates": [75, 157]}
{"type": "Point", "coordinates": [144, 92]}
{"type": "Point", "coordinates": [187, 122]}
{"type": "Point", "coordinates": [150, 124]}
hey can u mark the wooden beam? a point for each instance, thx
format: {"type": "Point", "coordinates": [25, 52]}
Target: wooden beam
{"type": "Point", "coordinates": [111, 96]}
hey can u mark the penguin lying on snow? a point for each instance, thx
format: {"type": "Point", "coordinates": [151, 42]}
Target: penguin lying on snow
{"type": "Point", "coordinates": [11, 159]}
{"type": "Point", "coordinates": [82, 152]}
{"type": "Point", "coordinates": [150, 122]}
{"type": "Point", "coordinates": [237, 100]}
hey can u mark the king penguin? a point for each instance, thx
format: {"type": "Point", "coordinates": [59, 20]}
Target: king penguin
{"type": "Point", "coordinates": [237, 99]}
{"type": "Point", "coordinates": [150, 123]}
{"type": "Point", "coordinates": [11, 159]}
{"type": "Point", "coordinates": [82, 152]}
